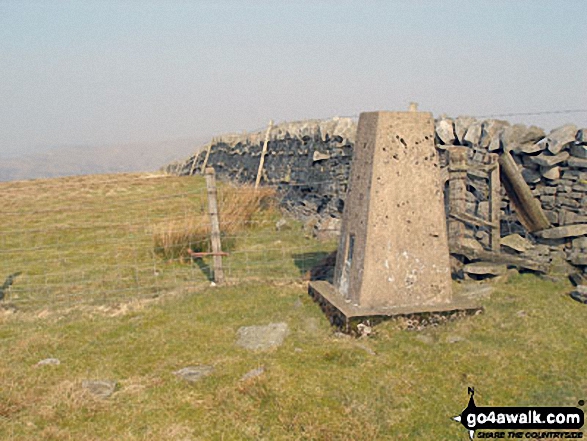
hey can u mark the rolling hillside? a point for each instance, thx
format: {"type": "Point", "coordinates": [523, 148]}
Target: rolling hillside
{"type": "Point", "coordinates": [122, 158]}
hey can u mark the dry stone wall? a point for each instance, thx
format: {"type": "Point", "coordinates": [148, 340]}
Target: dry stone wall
{"type": "Point", "coordinates": [309, 162]}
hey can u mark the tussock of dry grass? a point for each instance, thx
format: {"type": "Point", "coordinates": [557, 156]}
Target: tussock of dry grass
{"type": "Point", "coordinates": [236, 206]}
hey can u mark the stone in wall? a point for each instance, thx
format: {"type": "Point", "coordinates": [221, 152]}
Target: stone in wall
{"type": "Point", "coordinates": [309, 162]}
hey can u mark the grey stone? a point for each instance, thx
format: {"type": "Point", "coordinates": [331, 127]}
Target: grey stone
{"type": "Point", "coordinates": [548, 201]}
{"type": "Point", "coordinates": [567, 202]}
{"type": "Point", "coordinates": [516, 243]}
{"type": "Point", "coordinates": [485, 268]}
{"type": "Point", "coordinates": [328, 228]}
{"type": "Point", "coordinates": [579, 259]}
{"type": "Point", "coordinates": [255, 373]}
{"type": "Point", "coordinates": [262, 338]}
{"type": "Point", "coordinates": [552, 216]}
{"type": "Point", "coordinates": [577, 162]}
{"type": "Point", "coordinates": [483, 237]}
{"type": "Point", "coordinates": [49, 362]}
{"type": "Point", "coordinates": [573, 218]}
{"type": "Point", "coordinates": [528, 162]}
{"type": "Point", "coordinates": [564, 231]}
{"type": "Point", "coordinates": [561, 137]}
{"type": "Point", "coordinates": [580, 242]}
{"type": "Point", "coordinates": [531, 176]}
{"type": "Point", "coordinates": [579, 151]}
{"type": "Point", "coordinates": [581, 137]}
{"type": "Point", "coordinates": [492, 128]}
{"type": "Point", "coordinates": [551, 173]}
{"type": "Point", "coordinates": [100, 388]}
{"type": "Point", "coordinates": [517, 135]}
{"type": "Point", "coordinates": [445, 131]}
{"type": "Point", "coordinates": [530, 148]}
{"type": "Point", "coordinates": [319, 156]}
{"type": "Point", "coordinates": [483, 209]}
{"type": "Point", "coordinates": [495, 144]}
{"type": "Point", "coordinates": [280, 224]}
{"type": "Point", "coordinates": [578, 279]}
{"type": "Point", "coordinates": [473, 134]}
{"type": "Point", "coordinates": [572, 175]}
{"type": "Point", "coordinates": [194, 373]}
{"type": "Point", "coordinates": [468, 242]}
{"type": "Point", "coordinates": [548, 190]}
{"type": "Point", "coordinates": [547, 160]}
{"type": "Point", "coordinates": [462, 124]}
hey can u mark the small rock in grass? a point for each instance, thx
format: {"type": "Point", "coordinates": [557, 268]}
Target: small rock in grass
{"type": "Point", "coordinates": [49, 362]}
{"type": "Point", "coordinates": [194, 373]}
{"type": "Point", "coordinates": [100, 388]}
{"type": "Point", "coordinates": [580, 294]}
{"type": "Point", "coordinates": [261, 338]}
{"type": "Point", "coordinates": [364, 330]}
{"type": "Point", "coordinates": [253, 373]}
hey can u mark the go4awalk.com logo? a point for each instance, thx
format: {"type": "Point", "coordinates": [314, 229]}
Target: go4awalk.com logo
{"type": "Point", "coordinates": [521, 422]}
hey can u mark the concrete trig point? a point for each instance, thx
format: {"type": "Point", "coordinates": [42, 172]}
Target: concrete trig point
{"type": "Point", "coordinates": [393, 256]}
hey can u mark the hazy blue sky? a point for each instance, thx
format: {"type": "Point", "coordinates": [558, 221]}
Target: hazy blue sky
{"type": "Point", "coordinates": [95, 72]}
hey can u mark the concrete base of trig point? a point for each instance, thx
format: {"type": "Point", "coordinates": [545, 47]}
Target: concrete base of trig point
{"type": "Point", "coordinates": [347, 316]}
{"type": "Point", "coordinates": [393, 256]}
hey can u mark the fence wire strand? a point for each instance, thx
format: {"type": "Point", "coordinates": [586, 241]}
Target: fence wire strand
{"type": "Point", "coordinates": [79, 243]}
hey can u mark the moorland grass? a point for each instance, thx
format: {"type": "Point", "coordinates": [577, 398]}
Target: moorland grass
{"type": "Point", "coordinates": [527, 348]}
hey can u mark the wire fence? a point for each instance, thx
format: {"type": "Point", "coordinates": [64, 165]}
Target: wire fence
{"type": "Point", "coordinates": [93, 240]}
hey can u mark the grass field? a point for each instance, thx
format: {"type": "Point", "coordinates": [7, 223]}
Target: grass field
{"type": "Point", "coordinates": [153, 317]}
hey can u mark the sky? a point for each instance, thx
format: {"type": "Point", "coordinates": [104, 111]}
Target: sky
{"type": "Point", "coordinates": [81, 72]}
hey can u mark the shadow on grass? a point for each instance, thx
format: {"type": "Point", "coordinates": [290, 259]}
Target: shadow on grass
{"type": "Point", "coordinates": [317, 265]}
{"type": "Point", "coordinates": [205, 268]}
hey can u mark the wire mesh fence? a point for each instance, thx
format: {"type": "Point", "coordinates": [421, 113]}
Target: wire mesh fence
{"type": "Point", "coordinates": [96, 239]}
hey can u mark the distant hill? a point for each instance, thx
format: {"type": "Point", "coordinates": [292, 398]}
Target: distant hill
{"type": "Point", "coordinates": [66, 161]}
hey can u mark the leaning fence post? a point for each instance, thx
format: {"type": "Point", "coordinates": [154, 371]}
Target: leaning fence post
{"type": "Point", "coordinates": [263, 152]}
{"type": "Point", "coordinates": [215, 225]}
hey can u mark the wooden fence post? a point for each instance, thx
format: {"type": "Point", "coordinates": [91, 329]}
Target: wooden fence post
{"type": "Point", "coordinates": [457, 192]}
{"type": "Point", "coordinates": [205, 164]}
{"type": "Point", "coordinates": [494, 203]}
{"type": "Point", "coordinates": [215, 225]}
{"type": "Point", "coordinates": [263, 152]}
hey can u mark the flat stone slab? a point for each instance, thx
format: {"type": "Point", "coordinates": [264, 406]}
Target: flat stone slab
{"type": "Point", "coordinates": [516, 242]}
{"type": "Point", "coordinates": [550, 160]}
{"type": "Point", "coordinates": [564, 231]}
{"type": "Point", "coordinates": [262, 338]}
{"type": "Point", "coordinates": [100, 388]}
{"type": "Point", "coordinates": [485, 269]}
{"type": "Point", "coordinates": [194, 373]}
{"type": "Point", "coordinates": [577, 162]}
